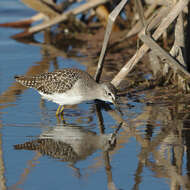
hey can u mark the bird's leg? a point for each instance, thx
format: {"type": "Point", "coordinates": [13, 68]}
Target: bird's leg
{"type": "Point", "coordinates": [60, 119]}
{"type": "Point", "coordinates": [58, 110]}
{"type": "Point", "coordinates": [61, 111]}
{"type": "Point", "coordinates": [76, 170]}
{"type": "Point", "coordinates": [59, 114]}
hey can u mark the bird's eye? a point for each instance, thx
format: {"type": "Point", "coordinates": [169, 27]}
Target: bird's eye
{"type": "Point", "coordinates": [109, 93]}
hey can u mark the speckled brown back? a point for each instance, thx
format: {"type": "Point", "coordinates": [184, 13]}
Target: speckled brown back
{"type": "Point", "coordinates": [58, 81]}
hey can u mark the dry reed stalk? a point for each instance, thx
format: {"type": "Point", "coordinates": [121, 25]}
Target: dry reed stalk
{"type": "Point", "coordinates": [175, 11]}
{"type": "Point", "coordinates": [111, 19]}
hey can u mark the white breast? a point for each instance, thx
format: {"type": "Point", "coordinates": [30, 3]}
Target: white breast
{"type": "Point", "coordinates": [63, 99]}
{"type": "Point", "coordinates": [70, 97]}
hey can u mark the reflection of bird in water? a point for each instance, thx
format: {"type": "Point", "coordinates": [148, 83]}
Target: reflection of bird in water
{"type": "Point", "coordinates": [68, 87]}
{"type": "Point", "coordinates": [70, 144]}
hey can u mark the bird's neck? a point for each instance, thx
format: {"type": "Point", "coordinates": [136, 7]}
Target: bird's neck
{"type": "Point", "coordinates": [95, 92]}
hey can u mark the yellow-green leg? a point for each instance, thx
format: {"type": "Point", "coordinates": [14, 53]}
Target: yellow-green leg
{"type": "Point", "coordinates": [59, 110]}
{"type": "Point", "coordinates": [59, 114]}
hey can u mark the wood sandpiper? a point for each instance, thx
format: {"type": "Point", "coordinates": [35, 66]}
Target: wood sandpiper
{"type": "Point", "coordinates": [68, 87]}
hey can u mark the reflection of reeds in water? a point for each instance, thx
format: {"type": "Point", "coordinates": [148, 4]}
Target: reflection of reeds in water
{"type": "Point", "coordinates": [70, 144]}
{"type": "Point", "coordinates": [162, 145]}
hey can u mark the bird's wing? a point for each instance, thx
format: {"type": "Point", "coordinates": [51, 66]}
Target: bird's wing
{"type": "Point", "coordinates": [57, 81]}
{"type": "Point", "coordinates": [53, 82]}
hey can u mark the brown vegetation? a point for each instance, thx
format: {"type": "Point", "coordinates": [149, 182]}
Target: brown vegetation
{"type": "Point", "coordinates": [141, 23]}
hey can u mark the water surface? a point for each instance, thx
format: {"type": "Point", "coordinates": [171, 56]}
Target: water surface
{"type": "Point", "coordinates": [38, 151]}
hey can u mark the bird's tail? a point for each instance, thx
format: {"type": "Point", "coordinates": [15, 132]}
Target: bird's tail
{"type": "Point", "coordinates": [26, 146]}
{"type": "Point", "coordinates": [26, 81]}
